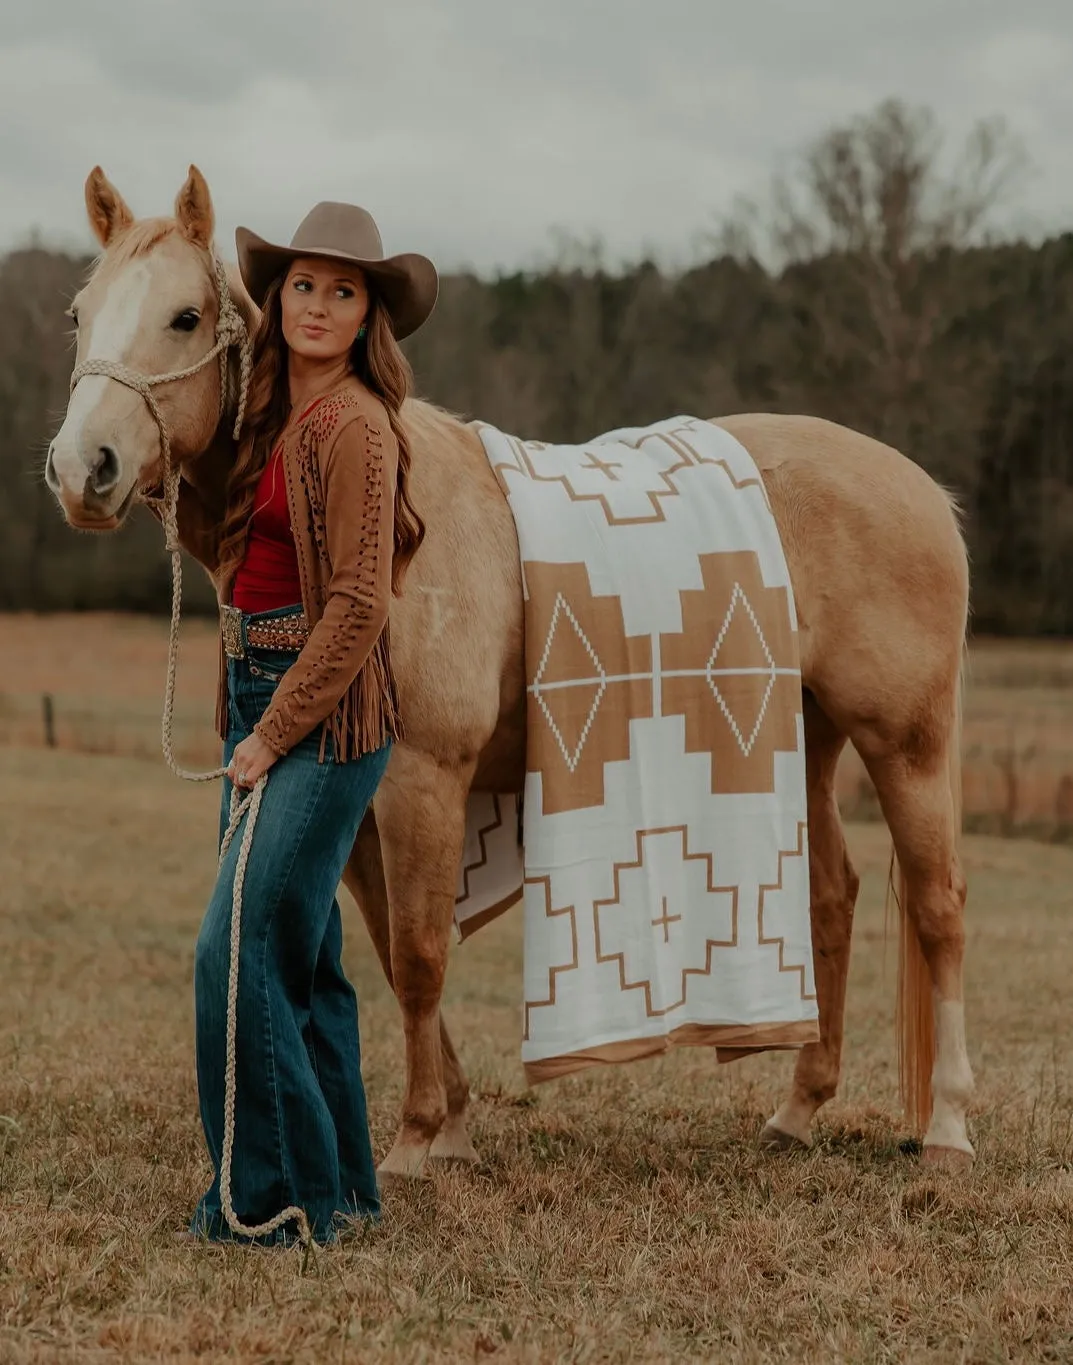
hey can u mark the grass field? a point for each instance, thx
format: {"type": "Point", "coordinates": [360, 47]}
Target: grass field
{"type": "Point", "coordinates": [626, 1215]}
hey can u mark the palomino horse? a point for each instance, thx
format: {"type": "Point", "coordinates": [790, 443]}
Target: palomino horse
{"type": "Point", "coordinates": [880, 581]}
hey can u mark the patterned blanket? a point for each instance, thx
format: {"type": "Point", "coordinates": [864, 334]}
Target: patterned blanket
{"type": "Point", "coordinates": [665, 878]}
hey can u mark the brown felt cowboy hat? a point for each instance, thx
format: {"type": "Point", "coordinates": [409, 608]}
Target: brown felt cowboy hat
{"type": "Point", "coordinates": [406, 284]}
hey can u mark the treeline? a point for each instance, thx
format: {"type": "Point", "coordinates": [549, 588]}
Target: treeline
{"type": "Point", "coordinates": [868, 290]}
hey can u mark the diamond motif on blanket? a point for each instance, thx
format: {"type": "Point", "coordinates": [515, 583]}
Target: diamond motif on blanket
{"type": "Point", "coordinates": [581, 701]}
{"type": "Point", "coordinates": [554, 683]}
{"type": "Point", "coordinates": [738, 598]}
{"type": "Point", "coordinates": [737, 642]}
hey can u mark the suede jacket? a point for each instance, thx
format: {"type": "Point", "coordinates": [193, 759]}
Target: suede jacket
{"type": "Point", "coordinates": [340, 466]}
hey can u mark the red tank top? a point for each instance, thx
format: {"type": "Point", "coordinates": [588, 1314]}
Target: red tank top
{"type": "Point", "coordinates": [267, 578]}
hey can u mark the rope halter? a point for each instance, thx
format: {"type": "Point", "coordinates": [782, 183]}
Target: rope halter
{"type": "Point", "coordinates": [231, 332]}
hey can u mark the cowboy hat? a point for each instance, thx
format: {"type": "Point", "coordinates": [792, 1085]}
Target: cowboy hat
{"type": "Point", "coordinates": [406, 284]}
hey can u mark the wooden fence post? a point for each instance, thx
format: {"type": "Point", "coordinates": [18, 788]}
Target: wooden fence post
{"type": "Point", "coordinates": [50, 719]}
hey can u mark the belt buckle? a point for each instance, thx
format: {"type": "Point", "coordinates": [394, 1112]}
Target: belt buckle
{"type": "Point", "coordinates": [231, 630]}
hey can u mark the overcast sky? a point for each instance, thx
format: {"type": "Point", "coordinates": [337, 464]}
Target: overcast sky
{"type": "Point", "coordinates": [472, 129]}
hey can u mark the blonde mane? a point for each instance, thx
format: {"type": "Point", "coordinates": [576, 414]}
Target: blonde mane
{"type": "Point", "coordinates": [137, 240]}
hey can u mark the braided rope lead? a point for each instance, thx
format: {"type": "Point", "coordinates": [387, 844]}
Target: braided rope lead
{"type": "Point", "coordinates": [230, 333]}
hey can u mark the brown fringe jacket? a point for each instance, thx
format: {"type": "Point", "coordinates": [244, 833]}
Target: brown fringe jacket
{"type": "Point", "coordinates": [340, 465]}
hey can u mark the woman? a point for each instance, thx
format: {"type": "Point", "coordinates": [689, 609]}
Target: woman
{"type": "Point", "coordinates": [318, 533]}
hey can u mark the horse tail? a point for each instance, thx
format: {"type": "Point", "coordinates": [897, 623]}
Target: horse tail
{"type": "Point", "coordinates": [915, 1017]}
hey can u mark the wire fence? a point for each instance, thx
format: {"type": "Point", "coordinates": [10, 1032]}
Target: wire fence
{"type": "Point", "coordinates": [130, 728]}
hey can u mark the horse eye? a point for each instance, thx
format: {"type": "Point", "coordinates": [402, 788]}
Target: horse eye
{"type": "Point", "coordinates": [72, 313]}
{"type": "Point", "coordinates": [186, 321]}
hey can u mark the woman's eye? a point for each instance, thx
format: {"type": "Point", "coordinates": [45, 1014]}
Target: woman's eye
{"type": "Point", "coordinates": [303, 286]}
{"type": "Point", "coordinates": [345, 293]}
{"type": "Point", "coordinates": [186, 321]}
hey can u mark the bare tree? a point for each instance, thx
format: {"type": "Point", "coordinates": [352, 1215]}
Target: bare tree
{"type": "Point", "coordinates": [860, 229]}
{"type": "Point", "coordinates": [877, 188]}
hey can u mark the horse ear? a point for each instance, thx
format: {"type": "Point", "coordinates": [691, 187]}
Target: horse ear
{"type": "Point", "coordinates": [107, 209]}
{"type": "Point", "coordinates": [193, 209]}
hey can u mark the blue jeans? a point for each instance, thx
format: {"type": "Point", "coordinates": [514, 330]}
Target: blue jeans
{"type": "Point", "coordinates": [301, 1126]}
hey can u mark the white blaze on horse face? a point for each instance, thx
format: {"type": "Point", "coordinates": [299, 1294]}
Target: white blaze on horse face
{"type": "Point", "coordinates": [99, 407]}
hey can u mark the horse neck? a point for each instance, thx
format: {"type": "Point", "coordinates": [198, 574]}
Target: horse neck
{"type": "Point", "coordinates": [208, 472]}
{"type": "Point", "coordinates": [448, 462]}
{"type": "Point", "coordinates": [467, 519]}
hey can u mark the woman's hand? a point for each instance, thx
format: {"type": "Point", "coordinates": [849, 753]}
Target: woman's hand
{"type": "Point", "coordinates": [250, 761]}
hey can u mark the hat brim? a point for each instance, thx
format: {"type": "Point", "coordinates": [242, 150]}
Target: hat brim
{"type": "Point", "coordinates": [407, 284]}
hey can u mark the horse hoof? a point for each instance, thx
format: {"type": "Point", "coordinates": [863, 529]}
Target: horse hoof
{"type": "Point", "coordinates": [454, 1158]}
{"type": "Point", "coordinates": [403, 1163]}
{"type": "Point", "coordinates": [950, 1159]}
{"type": "Point", "coordinates": [452, 1144]}
{"type": "Point", "coordinates": [386, 1177]}
{"type": "Point", "coordinates": [774, 1139]}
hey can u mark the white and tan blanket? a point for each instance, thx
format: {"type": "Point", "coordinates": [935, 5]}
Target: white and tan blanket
{"type": "Point", "coordinates": [666, 889]}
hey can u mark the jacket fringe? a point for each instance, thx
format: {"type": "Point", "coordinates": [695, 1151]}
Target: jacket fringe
{"type": "Point", "coordinates": [368, 716]}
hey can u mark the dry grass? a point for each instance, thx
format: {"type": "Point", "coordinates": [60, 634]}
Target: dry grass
{"type": "Point", "coordinates": [624, 1216]}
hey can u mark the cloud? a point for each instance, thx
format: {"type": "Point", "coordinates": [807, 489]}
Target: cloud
{"type": "Point", "coordinates": [472, 129]}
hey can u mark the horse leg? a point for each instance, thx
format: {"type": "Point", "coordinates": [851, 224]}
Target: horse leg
{"type": "Point", "coordinates": [833, 895]}
{"type": "Point", "coordinates": [421, 811]}
{"type": "Point", "coordinates": [452, 1142]}
{"type": "Point", "coordinates": [364, 879]}
{"type": "Point", "coordinates": [920, 795]}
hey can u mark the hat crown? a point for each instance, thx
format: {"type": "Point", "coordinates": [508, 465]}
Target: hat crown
{"type": "Point", "coordinates": [345, 228]}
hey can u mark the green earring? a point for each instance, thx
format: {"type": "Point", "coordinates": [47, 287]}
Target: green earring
{"type": "Point", "coordinates": [361, 331]}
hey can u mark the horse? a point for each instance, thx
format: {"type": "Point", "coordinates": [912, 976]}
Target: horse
{"type": "Point", "coordinates": [880, 580]}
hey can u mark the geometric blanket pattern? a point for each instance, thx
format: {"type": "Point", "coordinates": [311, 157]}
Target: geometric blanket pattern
{"type": "Point", "coordinates": [665, 867]}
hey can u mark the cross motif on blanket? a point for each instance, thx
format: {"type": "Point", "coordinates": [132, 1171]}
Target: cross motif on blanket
{"type": "Point", "coordinates": [665, 921]}
{"type": "Point", "coordinates": [604, 466]}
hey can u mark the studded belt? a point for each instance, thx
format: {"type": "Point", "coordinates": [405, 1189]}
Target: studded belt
{"type": "Point", "coordinates": [279, 632]}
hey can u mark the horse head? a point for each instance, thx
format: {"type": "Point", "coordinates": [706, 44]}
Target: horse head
{"type": "Point", "coordinates": [151, 308]}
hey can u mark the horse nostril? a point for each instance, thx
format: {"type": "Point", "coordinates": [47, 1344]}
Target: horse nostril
{"type": "Point", "coordinates": [104, 470]}
{"type": "Point", "coordinates": [51, 477]}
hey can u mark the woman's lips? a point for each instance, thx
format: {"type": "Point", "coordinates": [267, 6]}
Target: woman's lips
{"type": "Point", "coordinates": [311, 330]}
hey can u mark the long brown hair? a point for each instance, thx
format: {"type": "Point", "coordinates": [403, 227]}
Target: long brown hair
{"type": "Point", "coordinates": [380, 365]}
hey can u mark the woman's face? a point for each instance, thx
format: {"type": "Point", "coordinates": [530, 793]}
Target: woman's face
{"type": "Point", "coordinates": [324, 303]}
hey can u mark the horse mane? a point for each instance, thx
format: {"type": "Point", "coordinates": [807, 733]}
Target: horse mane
{"type": "Point", "coordinates": [137, 240]}
{"type": "Point", "coordinates": [430, 423]}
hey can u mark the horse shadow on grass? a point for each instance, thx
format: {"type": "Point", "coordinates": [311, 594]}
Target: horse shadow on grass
{"type": "Point", "coordinates": [640, 1144]}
